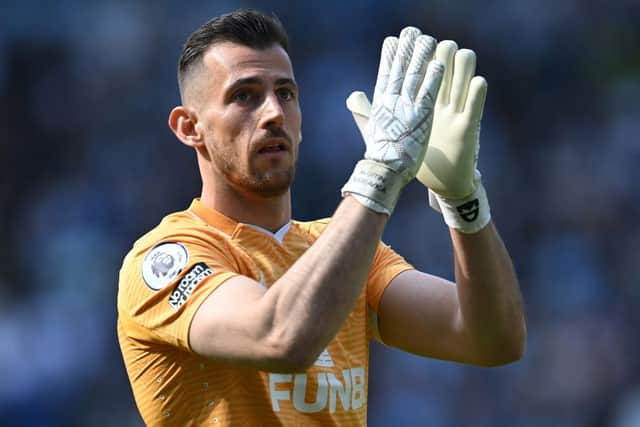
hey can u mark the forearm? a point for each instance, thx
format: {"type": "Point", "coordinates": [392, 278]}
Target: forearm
{"type": "Point", "coordinates": [309, 303]}
{"type": "Point", "coordinates": [491, 310]}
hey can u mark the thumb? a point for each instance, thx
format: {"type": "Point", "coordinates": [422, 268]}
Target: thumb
{"type": "Point", "coordinates": [360, 107]}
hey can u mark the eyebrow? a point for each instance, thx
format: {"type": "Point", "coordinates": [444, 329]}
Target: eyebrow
{"type": "Point", "coordinates": [284, 81]}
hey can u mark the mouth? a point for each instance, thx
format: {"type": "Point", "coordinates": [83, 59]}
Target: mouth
{"type": "Point", "coordinates": [275, 145]}
{"type": "Point", "coordinates": [275, 148]}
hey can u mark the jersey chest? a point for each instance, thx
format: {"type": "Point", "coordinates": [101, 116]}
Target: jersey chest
{"type": "Point", "coordinates": [337, 381]}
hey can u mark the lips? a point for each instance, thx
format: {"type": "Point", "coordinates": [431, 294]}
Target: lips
{"type": "Point", "coordinates": [273, 145]}
{"type": "Point", "coordinates": [273, 148]}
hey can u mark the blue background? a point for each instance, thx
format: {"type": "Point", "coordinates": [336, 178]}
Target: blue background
{"type": "Point", "coordinates": [88, 164]}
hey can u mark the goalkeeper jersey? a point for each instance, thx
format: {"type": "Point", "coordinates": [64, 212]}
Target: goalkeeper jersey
{"type": "Point", "coordinates": [172, 269]}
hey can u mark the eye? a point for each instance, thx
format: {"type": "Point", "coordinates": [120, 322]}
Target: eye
{"type": "Point", "coordinates": [285, 94]}
{"type": "Point", "coordinates": [242, 96]}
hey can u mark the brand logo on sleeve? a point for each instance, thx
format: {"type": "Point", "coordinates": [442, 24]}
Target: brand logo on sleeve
{"type": "Point", "coordinates": [163, 263]}
{"type": "Point", "coordinates": [188, 283]}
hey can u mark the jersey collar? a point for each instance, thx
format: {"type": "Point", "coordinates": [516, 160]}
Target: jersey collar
{"type": "Point", "coordinates": [228, 225]}
{"type": "Point", "coordinates": [213, 217]}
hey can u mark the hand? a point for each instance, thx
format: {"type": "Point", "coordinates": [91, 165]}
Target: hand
{"type": "Point", "coordinates": [449, 165]}
{"type": "Point", "coordinates": [402, 112]}
{"type": "Point", "coordinates": [402, 109]}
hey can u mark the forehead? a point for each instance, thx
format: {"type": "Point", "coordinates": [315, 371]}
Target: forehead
{"type": "Point", "coordinates": [227, 62]}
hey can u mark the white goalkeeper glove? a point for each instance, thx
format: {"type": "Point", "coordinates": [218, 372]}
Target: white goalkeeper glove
{"type": "Point", "coordinates": [449, 165]}
{"type": "Point", "coordinates": [397, 133]}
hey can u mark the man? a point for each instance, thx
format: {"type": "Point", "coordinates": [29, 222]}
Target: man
{"type": "Point", "coordinates": [231, 313]}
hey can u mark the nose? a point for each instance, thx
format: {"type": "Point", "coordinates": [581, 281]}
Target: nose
{"type": "Point", "coordinates": [272, 112]}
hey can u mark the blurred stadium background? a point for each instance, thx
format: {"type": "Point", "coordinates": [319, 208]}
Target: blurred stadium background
{"type": "Point", "coordinates": [88, 164]}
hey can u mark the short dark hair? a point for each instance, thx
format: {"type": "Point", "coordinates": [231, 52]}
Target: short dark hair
{"type": "Point", "coordinates": [247, 27]}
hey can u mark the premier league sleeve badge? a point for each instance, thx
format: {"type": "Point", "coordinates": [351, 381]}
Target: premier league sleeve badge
{"type": "Point", "coordinates": [163, 263]}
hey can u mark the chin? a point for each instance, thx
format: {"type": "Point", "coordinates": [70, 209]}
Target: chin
{"type": "Point", "coordinates": [274, 186]}
{"type": "Point", "coordinates": [269, 193]}
{"type": "Point", "coordinates": [272, 183]}
{"type": "Point", "coordinates": [268, 185]}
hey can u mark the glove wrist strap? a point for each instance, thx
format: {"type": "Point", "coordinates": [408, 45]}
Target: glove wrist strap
{"type": "Point", "coordinates": [468, 215]}
{"type": "Point", "coordinates": [375, 185]}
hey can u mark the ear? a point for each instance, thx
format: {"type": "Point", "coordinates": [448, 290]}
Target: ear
{"type": "Point", "coordinates": [183, 121]}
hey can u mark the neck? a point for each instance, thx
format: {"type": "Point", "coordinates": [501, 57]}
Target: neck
{"type": "Point", "coordinates": [270, 213]}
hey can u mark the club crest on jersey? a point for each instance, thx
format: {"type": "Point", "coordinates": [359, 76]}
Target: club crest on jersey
{"type": "Point", "coordinates": [163, 263]}
{"type": "Point", "coordinates": [470, 210]}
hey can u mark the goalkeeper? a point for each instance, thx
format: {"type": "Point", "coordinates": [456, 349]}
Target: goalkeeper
{"type": "Point", "coordinates": [231, 313]}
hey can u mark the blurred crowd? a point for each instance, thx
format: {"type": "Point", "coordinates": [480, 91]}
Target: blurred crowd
{"type": "Point", "coordinates": [88, 165]}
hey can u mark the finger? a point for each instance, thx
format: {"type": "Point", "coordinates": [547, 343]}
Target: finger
{"type": "Point", "coordinates": [463, 70]}
{"type": "Point", "coordinates": [406, 42]}
{"type": "Point", "coordinates": [476, 99]}
{"type": "Point", "coordinates": [389, 47]}
{"type": "Point", "coordinates": [358, 103]}
{"type": "Point", "coordinates": [422, 54]}
{"type": "Point", "coordinates": [360, 108]}
{"type": "Point", "coordinates": [429, 89]}
{"type": "Point", "coordinates": [444, 53]}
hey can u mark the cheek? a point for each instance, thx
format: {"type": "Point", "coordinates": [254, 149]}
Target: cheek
{"type": "Point", "coordinates": [228, 139]}
{"type": "Point", "coordinates": [297, 113]}
{"type": "Point", "coordinates": [221, 131]}
{"type": "Point", "coordinates": [237, 125]}
{"type": "Point", "coordinates": [295, 120]}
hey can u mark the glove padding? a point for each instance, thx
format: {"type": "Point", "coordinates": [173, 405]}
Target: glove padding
{"type": "Point", "coordinates": [401, 117]}
{"type": "Point", "coordinates": [449, 165]}
{"type": "Point", "coordinates": [452, 156]}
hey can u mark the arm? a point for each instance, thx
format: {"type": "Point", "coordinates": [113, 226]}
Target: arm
{"type": "Point", "coordinates": [286, 327]}
{"type": "Point", "coordinates": [477, 320]}
{"type": "Point", "coordinates": [491, 312]}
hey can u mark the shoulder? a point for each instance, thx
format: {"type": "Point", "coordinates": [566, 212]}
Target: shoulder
{"type": "Point", "coordinates": [178, 241]}
{"type": "Point", "coordinates": [182, 228]}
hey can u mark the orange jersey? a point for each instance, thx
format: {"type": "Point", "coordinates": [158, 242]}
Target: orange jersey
{"type": "Point", "coordinates": [169, 273]}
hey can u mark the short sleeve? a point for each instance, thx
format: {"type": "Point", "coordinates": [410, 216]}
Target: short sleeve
{"type": "Point", "coordinates": [387, 264]}
{"type": "Point", "coordinates": [162, 286]}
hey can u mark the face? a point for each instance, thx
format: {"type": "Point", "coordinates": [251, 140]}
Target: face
{"type": "Point", "coordinates": [248, 111]}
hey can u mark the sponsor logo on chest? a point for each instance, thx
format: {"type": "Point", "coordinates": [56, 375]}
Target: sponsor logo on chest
{"type": "Point", "coordinates": [332, 392]}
